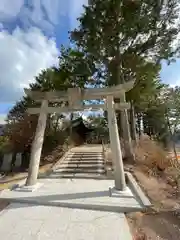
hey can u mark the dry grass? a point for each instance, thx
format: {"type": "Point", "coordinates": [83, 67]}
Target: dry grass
{"type": "Point", "coordinates": [140, 236]}
{"type": "Point", "coordinates": [151, 155]}
{"type": "Point", "coordinates": [148, 153]}
{"type": "Point", "coordinates": [154, 160]}
{"type": "Point", "coordinates": [11, 180]}
{"type": "Point", "coordinates": [55, 155]}
{"type": "Point", "coordinates": [162, 220]}
{"type": "Point", "coordinates": [157, 174]}
{"type": "Point", "coordinates": [108, 153]}
{"type": "Point", "coordinates": [3, 204]}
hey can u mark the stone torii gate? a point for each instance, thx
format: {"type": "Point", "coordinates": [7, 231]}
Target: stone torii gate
{"type": "Point", "coordinates": [75, 97]}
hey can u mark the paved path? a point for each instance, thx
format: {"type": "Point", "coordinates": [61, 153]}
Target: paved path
{"type": "Point", "coordinates": [76, 193]}
{"type": "Point", "coordinates": [67, 209]}
{"type": "Point", "coordinates": [29, 222]}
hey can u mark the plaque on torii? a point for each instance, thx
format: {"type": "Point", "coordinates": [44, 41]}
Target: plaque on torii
{"type": "Point", "coordinates": [75, 98]}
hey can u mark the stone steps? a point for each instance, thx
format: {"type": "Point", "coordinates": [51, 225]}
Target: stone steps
{"type": "Point", "coordinates": [79, 170]}
{"type": "Point", "coordinates": [86, 153]}
{"type": "Point", "coordinates": [77, 175]}
{"type": "Point", "coordinates": [86, 160]}
{"type": "Point", "coordinates": [99, 162]}
{"type": "Point", "coordinates": [84, 157]}
{"type": "Point", "coordinates": [81, 165]}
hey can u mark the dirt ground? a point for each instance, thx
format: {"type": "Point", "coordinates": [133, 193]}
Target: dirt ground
{"type": "Point", "coordinates": [13, 178]}
{"type": "Point", "coordinates": [3, 204]}
{"type": "Point", "coordinates": [162, 221]}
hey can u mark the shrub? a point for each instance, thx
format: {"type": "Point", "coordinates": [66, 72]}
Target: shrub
{"type": "Point", "coordinates": [148, 153]}
{"type": "Point", "coordinates": [4, 144]}
{"type": "Point", "coordinates": [152, 155]}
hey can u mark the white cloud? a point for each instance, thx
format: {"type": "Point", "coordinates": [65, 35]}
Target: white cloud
{"type": "Point", "coordinates": [22, 56]}
{"type": "Point", "coordinates": [2, 118]}
{"type": "Point", "coordinates": [44, 14]}
{"type": "Point", "coordinates": [75, 11]}
{"type": "Point", "coordinates": [10, 8]}
{"type": "Point", "coordinates": [59, 7]}
{"type": "Point", "coordinates": [41, 13]}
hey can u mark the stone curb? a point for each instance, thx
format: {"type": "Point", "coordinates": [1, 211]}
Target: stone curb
{"type": "Point", "coordinates": [54, 167]}
{"type": "Point", "coordinates": [135, 188]}
{"type": "Point", "coordinates": [72, 176]}
{"type": "Point", "coordinates": [84, 206]}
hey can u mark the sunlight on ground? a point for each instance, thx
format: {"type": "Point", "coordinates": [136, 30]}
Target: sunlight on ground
{"type": "Point", "coordinates": [11, 180]}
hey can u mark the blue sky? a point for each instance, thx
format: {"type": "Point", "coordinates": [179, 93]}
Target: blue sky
{"type": "Point", "coordinates": [31, 32]}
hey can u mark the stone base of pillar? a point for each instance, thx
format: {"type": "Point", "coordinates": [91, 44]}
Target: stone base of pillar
{"type": "Point", "coordinates": [113, 192]}
{"type": "Point", "coordinates": [25, 188]}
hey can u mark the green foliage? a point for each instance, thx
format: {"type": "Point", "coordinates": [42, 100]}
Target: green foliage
{"type": "Point", "coordinates": [120, 33]}
{"type": "Point", "coordinates": [128, 39]}
{"type": "Point", "coordinates": [4, 144]}
{"type": "Point", "coordinates": [101, 132]}
{"type": "Point", "coordinates": [54, 139]}
{"type": "Point", "coordinates": [116, 41]}
{"type": "Point", "coordinates": [147, 85]}
{"type": "Point", "coordinates": [154, 121]}
{"type": "Point", "coordinates": [172, 107]}
{"type": "Point", "coordinates": [162, 116]}
{"type": "Point", "coordinates": [73, 71]}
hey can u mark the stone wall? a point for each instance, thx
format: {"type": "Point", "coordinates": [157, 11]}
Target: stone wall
{"type": "Point", "coordinates": [6, 162]}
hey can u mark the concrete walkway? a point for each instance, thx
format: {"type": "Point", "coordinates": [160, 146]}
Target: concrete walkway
{"type": "Point", "coordinates": [67, 209]}
{"type": "Point", "coordinates": [63, 209]}
{"type": "Point", "coordinates": [33, 222]}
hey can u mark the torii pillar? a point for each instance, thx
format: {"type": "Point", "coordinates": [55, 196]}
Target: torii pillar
{"type": "Point", "coordinates": [37, 146]}
{"type": "Point", "coordinates": [119, 175]}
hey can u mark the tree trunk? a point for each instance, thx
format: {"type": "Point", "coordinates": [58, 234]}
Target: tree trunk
{"type": "Point", "coordinates": [117, 77]}
{"type": "Point", "coordinates": [119, 124]}
{"type": "Point", "coordinates": [171, 134]}
{"type": "Point", "coordinates": [48, 122]}
{"type": "Point", "coordinates": [133, 124]}
{"type": "Point", "coordinates": [70, 128]}
{"type": "Point", "coordinates": [126, 131]}
{"type": "Point", "coordinates": [13, 161]}
{"type": "Point", "coordinates": [139, 124]}
{"type": "Point", "coordinates": [56, 124]}
{"type": "Point", "coordinates": [25, 158]}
